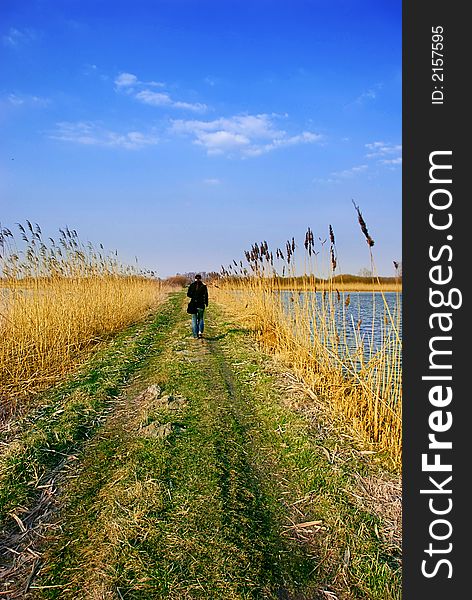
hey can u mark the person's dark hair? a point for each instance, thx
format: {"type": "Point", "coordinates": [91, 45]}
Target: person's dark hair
{"type": "Point", "coordinates": [198, 276]}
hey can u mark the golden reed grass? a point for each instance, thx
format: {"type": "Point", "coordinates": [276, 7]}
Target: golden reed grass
{"type": "Point", "coordinates": [314, 324]}
{"type": "Point", "coordinates": [57, 301]}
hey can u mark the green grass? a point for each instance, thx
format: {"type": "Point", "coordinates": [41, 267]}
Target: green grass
{"type": "Point", "coordinates": [70, 413]}
{"type": "Point", "coordinates": [208, 511]}
{"type": "Point", "coordinates": [373, 569]}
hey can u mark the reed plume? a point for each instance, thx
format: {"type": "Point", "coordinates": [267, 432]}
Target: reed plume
{"type": "Point", "coordinates": [364, 230]}
{"type": "Point", "coordinates": [59, 298]}
{"type": "Point", "coordinates": [310, 322]}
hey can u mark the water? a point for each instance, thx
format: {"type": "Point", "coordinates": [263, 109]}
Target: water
{"type": "Point", "coordinates": [365, 324]}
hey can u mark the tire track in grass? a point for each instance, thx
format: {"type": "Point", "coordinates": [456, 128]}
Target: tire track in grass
{"type": "Point", "coordinates": [248, 516]}
{"type": "Point", "coordinates": [188, 516]}
{"type": "Point", "coordinates": [222, 537]}
{"type": "Point", "coordinates": [212, 508]}
{"type": "Point", "coordinates": [216, 541]}
{"type": "Point", "coordinates": [48, 440]}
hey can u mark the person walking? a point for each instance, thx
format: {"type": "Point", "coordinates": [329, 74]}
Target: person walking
{"type": "Point", "coordinates": [198, 293]}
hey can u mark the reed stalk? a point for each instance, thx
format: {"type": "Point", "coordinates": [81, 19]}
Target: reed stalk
{"type": "Point", "coordinates": [58, 300]}
{"type": "Point", "coordinates": [310, 323]}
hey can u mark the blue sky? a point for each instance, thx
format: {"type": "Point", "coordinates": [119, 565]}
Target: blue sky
{"type": "Point", "coordinates": [183, 131]}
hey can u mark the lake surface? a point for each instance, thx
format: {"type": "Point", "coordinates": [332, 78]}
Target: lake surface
{"type": "Point", "coordinates": [363, 319]}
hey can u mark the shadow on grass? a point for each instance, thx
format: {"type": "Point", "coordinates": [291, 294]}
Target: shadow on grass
{"type": "Point", "coordinates": [234, 331]}
{"type": "Point", "coordinates": [215, 338]}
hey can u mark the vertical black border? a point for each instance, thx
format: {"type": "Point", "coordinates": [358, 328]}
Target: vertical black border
{"type": "Point", "coordinates": [427, 128]}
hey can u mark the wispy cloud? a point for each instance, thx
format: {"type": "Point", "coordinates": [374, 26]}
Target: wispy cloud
{"type": "Point", "coordinates": [89, 69]}
{"type": "Point", "coordinates": [17, 101]}
{"type": "Point", "coordinates": [386, 153]}
{"type": "Point", "coordinates": [127, 80]}
{"type": "Point", "coordinates": [131, 85]}
{"type": "Point", "coordinates": [212, 181]}
{"type": "Point", "coordinates": [379, 149]}
{"type": "Point", "coordinates": [306, 137]}
{"type": "Point", "coordinates": [346, 173]}
{"type": "Point", "coordinates": [164, 99]}
{"type": "Point", "coordinates": [25, 100]}
{"type": "Point", "coordinates": [392, 161]}
{"type": "Point", "coordinates": [367, 96]}
{"type": "Point", "coordinates": [380, 154]}
{"type": "Point", "coordinates": [370, 94]}
{"type": "Point", "coordinates": [339, 176]}
{"type": "Point", "coordinates": [18, 37]}
{"type": "Point", "coordinates": [93, 134]}
{"type": "Point", "coordinates": [243, 135]}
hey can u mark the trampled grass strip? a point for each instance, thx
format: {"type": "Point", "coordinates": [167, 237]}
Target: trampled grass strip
{"type": "Point", "coordinates": [72, 411]}
{"type": "Point", "coordinates": [242, 498]}
{"type": "Point", "coordinates": [192, 515]}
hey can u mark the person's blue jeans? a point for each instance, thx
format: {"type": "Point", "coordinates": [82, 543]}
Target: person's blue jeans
{"type": "Point", "coordinates": [197, 322]}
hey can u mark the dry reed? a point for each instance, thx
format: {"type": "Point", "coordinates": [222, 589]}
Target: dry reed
{"type": "Point", "coordinates": [310, 322]}
{"type": "Point", "coordinates": [58, 299]}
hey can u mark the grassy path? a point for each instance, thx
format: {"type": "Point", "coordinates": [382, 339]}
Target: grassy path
{"type": "Point", "coordinates": [193, 477]}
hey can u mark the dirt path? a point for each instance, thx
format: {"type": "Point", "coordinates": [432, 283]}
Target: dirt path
{"type": "Point", "coordinates": [200, 480]}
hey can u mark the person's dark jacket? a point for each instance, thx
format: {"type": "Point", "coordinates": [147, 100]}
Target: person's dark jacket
{"type": "Point", "coordinates": [199, 293]}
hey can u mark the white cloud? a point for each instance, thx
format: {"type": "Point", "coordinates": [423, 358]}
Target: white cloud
{"type": "Point", "coordinates": [25, 100]}
{"type": "Point", "coordinates": [368, 95]}
{"type": "Point", "coordinates": [339, 176]}
{"type": "Point", "coordinates": [15, 100]}
{"type": "Point", "coordinates": [349, 172]}
{"type": "Point", "coordinates": [305, 137]}
{"type": "Point", "coordinates": [153, 98]}
{"type": "Point", "coordinates": [92, 134]}
{"type": "Point", "coordinates": [382, 153]}
{"type": "Point", "coordinates": [218, 142]}
{"type": "Point", "coordinates": [17, 37]}
{"type": "Point", "coordinates": [131, 85]}
{"type": "Point", "coordinates": [245, 135]}
{"type": "Point", "coordinates": [212, 181]}
{"type": "Point", "coordinates": [164, 99]}
{"type": "Point", "coordinates": [385, 153]}
{"type": "Point", "coordinates": [126, 80]}
{"type": "Point", "coordinates": [195, 106]}
{"type": "Point", "coordinates": [381, 149]}
{"type": "Point", "coordinates": [392, 161]}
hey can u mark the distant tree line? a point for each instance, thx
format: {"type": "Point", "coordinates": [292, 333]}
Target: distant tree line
{"type": "Point", "coordinates": [184, 279]}
{"type": "Point", "coordinates": [364, 276]}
